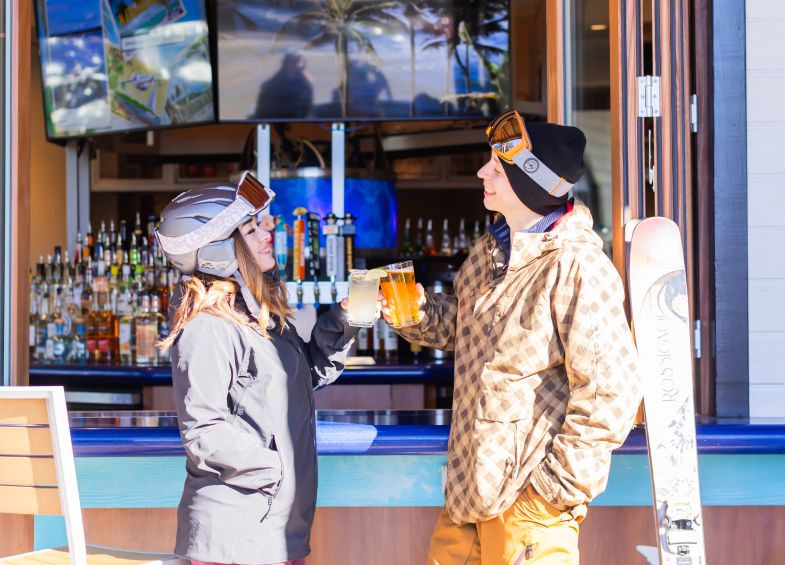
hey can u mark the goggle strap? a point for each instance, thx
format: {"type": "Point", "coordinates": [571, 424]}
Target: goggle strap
{"type": "Point", "coordinates": [540, 173]}
{"type": "Point", "coordinates": [206, 233]}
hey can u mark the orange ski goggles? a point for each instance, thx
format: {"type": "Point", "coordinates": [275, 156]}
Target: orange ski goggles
{"type": "Point", "coordinates": [507, 136]}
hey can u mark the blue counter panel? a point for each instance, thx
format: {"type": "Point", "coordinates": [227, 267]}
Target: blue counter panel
{"type": "Point", "coordinates": [404, 480]}
{"type": "Point", "coordinates": [415, 480]}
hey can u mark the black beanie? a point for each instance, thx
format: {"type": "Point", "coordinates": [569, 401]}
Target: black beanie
{"type": "Point", "coordinates": [561, 149]}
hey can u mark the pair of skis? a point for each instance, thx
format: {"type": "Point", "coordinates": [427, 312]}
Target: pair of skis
{"type": "Point", "coordinates": [659, 303]}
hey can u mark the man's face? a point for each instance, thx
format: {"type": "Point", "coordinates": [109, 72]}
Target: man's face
{"type": "Point", "coordinates": [498, 195]}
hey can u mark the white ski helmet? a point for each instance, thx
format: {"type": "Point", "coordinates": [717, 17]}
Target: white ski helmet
{"type": "Point", "coordinates": [196, 227]}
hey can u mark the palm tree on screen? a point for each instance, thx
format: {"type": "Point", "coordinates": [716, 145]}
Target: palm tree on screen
{"type": "Point", "coordinates": [342, 23]}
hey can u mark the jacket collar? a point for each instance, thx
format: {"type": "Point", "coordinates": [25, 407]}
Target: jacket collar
{"type": "Point", "coordinates": [574, 227]}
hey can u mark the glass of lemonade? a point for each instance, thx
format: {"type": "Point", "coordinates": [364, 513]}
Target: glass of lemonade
{"type": "Point", "coordinates": [401, 295]}
{"type": "Point", "coordinates": [363, 296]}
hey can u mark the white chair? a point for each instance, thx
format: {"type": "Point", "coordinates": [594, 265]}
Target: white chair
{"type": "Point", "coordinates": [38, 476]}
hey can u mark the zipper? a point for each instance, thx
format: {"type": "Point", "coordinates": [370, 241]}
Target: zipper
{"type": "Point", "coordinates": [271, 498]}
{"type": "Point", "coordinates": [517, 464]}
{"type": "Point", "coordinates": [239, 408]}
{"type": "Point", "coordinates": [527, 553]}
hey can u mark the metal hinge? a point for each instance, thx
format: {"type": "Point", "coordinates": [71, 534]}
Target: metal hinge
{"type": "Point", "coordinates": [694, 113]}
{"type": "Point", "coordinates": [648, 96]}
{"type": "Point", "coordinates": [697, 337]}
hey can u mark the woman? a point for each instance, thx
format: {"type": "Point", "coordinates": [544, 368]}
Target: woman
{"type": "Point", "coordinates": [243, 382]}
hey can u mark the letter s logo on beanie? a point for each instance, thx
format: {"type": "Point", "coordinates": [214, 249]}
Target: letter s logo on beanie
{"type": "Point", "coordinates": [531, 165]}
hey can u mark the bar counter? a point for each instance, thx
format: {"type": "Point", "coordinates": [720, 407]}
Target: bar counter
{"type": "Point", "coordinates": [385, 385]}
{"type": "Point", "coordinates": [380, 482]}
{"type": "Point", "coordinates": [41, 374]}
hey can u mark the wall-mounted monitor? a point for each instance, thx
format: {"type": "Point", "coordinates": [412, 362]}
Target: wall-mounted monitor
{"type": "Point", "coordinates": [321, 60]}
{"type": "Point", "coordinates": [119, 65]}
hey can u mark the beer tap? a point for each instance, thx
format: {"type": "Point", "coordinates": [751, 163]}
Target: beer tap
{"type": "Point", "coordinates": [314, 261]}
{"type": "Point", "coordinates": [281, 246]}
{"type": "Point", "coordinates": [298, 262]}
{"type": "Point", "coordinates": [330, 232]}
{"type": "Point", "coordinates": [349, 231]}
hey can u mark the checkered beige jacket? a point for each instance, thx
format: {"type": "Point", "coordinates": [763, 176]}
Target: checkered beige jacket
{"type": "Point", "coordinates": [546, 378]}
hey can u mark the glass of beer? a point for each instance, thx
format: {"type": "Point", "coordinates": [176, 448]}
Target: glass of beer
{"type": "Point", "coordinates": [401, 295]}
{"type": "Point", "coordinates": [363, 296]}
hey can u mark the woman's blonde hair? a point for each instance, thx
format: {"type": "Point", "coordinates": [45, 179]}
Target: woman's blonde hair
{"type": "Point", "coordinates": [216, 296]}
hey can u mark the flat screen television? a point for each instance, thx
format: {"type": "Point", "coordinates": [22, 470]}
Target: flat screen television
{"type": "Point", "coordinates": [322, 60]}
{"type": "Point", "coordinates": [109, 66]}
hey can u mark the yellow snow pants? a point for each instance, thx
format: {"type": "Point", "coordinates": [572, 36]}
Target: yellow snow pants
{"type": "Point", "coordinates": [530, 532]}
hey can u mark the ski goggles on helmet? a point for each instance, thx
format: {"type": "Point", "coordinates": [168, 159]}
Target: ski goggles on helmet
{"type": "Point", "coordinates": [254, 193]}
{"type": "Point", "coordinates": [251, 198]}
{"type": "Point", "coordinates": [509, 139]}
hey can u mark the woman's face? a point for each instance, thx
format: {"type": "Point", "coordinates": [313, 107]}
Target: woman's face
{"type": "Point", "coordinates": [258, 236]}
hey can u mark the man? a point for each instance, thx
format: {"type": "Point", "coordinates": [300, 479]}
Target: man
{"type": "Point", "coordinates": [546, 382]}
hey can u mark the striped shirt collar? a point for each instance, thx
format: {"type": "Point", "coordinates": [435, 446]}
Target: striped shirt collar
{"type": "Point", "coordinates": [501, 230]}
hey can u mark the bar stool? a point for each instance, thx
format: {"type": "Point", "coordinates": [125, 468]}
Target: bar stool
{"type": "Point", "coordinates": [38, 476]}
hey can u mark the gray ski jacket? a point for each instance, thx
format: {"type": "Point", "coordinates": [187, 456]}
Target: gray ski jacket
{"type": "Point", "coordinates": [246, 415]}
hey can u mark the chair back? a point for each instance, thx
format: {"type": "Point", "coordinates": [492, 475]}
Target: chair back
{"type": "Point", "coordinates": [37, 471]}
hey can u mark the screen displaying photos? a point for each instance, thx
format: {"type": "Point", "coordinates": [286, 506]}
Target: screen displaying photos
{"type": "Point", "coordinates": [321, 60]}
{"type": "Point", "coordinates": [118, 65]}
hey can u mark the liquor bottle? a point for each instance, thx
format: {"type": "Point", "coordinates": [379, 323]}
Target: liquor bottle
{"type": "Point", "coordinates": [406, 244]}
{"type": "Point", "coordinates": [79, 249]}
{"type": "Point", "coordinates": [126, 336]}
{"type": "Point", "coordinates": [40, 275]}
{"type": "Point", "coordinates": [364, 342]}
{"type": "Point", "coordinates": [162, 284]}
{"type": "Point", "coordinates": [462, 241]}
{"type": "Point", "coordinates": [378, 339]}
{"type": "Point", "coordinates": [446, 248]}
{"type": "Point", "coordinates": [87, 290]}
{"type": "Point", "coordinates": [107, 334]}
{"type": "Point", "coordinates": [133, 252]}
{"type": "Point", "coordinates": [32, 324]}
{"type": "Point", "coordinates": [138, 228]}
{"type": "Point", "coordinates": [476, 233]}
{"type": "Point", "coordinates": [430, 244]}
{"type": "Point", "coordinates": [50, 322]}
{"type": "Point", "coordinates": [151, 241]}
{"type": "Point", "coordinates": [111, 241]}
{"type": "Point", "coordinates": [87, 251]}
{"type": "Point", "coordinates": [162, 330]}
{"type": "Point", "coordinates": [125, 310]}
{"type": "Point", "coordinates": [390, 343]}
{"type": "Point", "coordinates": [419, 245]}
{"type": "Point", "coordinates": [91, 330]}
{"type": "Point", "coordinates": [41, 329]}
{"type": "Point", "coordinates": [146, 334]}
{"type": "Point", "coordinates": [78, 350]}
{"type": "Point", "coordinates": [122, 236]}
{"type": "Point", "coordinates": [59, 344]}
{"type": "Point", "coordinates": [100, 244]}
